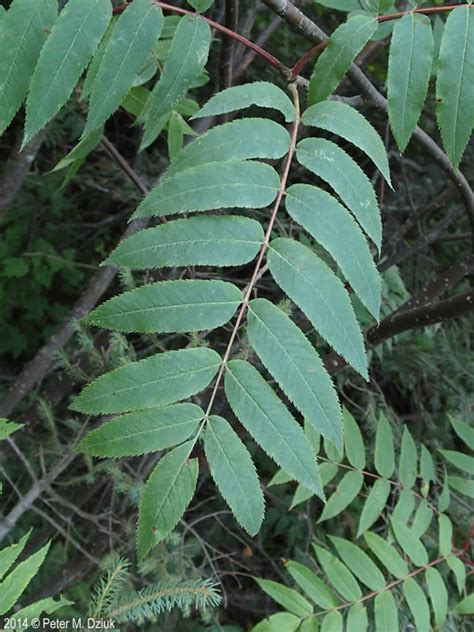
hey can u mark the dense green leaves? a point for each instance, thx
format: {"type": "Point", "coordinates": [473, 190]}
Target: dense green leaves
{"type": "Point", "coordinates": [260, 93]}
{"type": "Point", "coordinates": [343, 45]}
{"type": "Point", "coordinates": [67, 51]}
{"type": "Point", "coordinates": [455, 82]}
{"type": "Point", "coordinates": [226, 240]}
{"type": "Point", "coordinates": [336, 167]}
{"type": "Point", "coordinates": [169, 306]}
{"type": "Point", "coordinates": [144, 431]}
{"type": "Point", "coordinates": [266, 418]}
{"type": "Point", "coordinates": [23, 31]}
{"type": "Point", "coordinates": [13, 586]}
{"type": "Point", "coordinates": [131, 41]}
{"type": "Point", "coordinates": [292, 360]}
{"type": "Point", "coordinates": [333, 227]}
{"type": "Point", "coordinates": [343, 120]}
{"type": "Point", "coordinates": [186, 59]}
{"type": "Point", "coordinates": [233, 184]}
{"type": "Point", "coordinates": [409, 71]}
{"type": "Point", "coordinates": [308, 281]}
{"type": "Point", "coordinates": [234, 473]}
{"type": "Point", "coordinates": [161, 379]}
{"type": "Point", "coordinates": [238, 140]}
{"type": "Point", "coordinates": [167, 493]}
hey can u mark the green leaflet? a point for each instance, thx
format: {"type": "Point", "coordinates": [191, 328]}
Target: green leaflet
{"type": "Point", "coordinates": [332, 622]}
{"type": "Point", "coordinates": [294, 363]}
{"type": "Point", "coordinates": [407, 467]}
{"type": "Point", "coordinates": [307, 625]}
{"type": "Point", "coordinates": [271, 425]}
{"type": "Point", "coordinates": [48, 605]}
{"type": "Point", "coordinates": [338, 574]}
{"type": "Point", "coordinates": [345, 121]}
{"type": "Point", "coordinates": [131, 41]}
{"type": "Point", "coordinates": [463, 430]}
{"type": "Point", "coordinates": [455, 82]}
{"type": "Point", "coordinates": [427, 468]}
{"type": "Point", "coordinates": [233, 184]}
{"type": "Point", "coordinates": [386, 613]}
{"type": "Point", "coordinates": [445, 535]}
{"type": "Point", "coordinates": [409, 71]}
{"type": "Point", "coordinates": [438, 595]}
{"type": "Point", "coordinates": [343, 45]}
{"type": "Point", "coordinates": [333, 227]}
{"type": "Point", "coordinates": [387, 554]}
{"type": "Point", "coordinates": [13, 586]}
{"type": "Point", "coordinates": [286, 597]}
{"type": "Point", "coordinates": [405, 506]}
{"type": "Point", "coordinates": [374, 505]}
{"type": "Point", "coordinates": [279, 622]}
{"type": "Point", "coordinates": [167, 493]}
{"type": "Point", "coordinates": [234, 474]}
{"type": "Point", "coordinates": [466, 605]}
{"type": "Point", "coordinates": [186, 59]}
{"type": "Point", "coordinates": [359, 563]}
{"type": "Point", "coordinates": [79, 153]}
{"type": "Point", "coordinates": [463, 485]}
{"type": "Point", "coordinates": [226, 240]}
{"type": "Point", "coordinates": [94, 66]}
{"type": "Point", "coordinates": [260, 93]}
{"type": "Point", "coordinates": [410, 543]}
{"type": "Point", "coordinates": [357, 618]}
{"type": "Point", "coordinates": [312, 585]}
{"type": "Point", "coordinates": [459, 569]}
{"type": "Point", "coordinates": [67, 51]}
{"type": "Point", "coordinates": [444, 495]}
{"type": "Point", "coordinates": [143, 432]}
{"type": "Point", "coordinates": [201, 5]}
{"type": "Point", "coordinates": [422, 519]}
{"type": "Point", "coordinates": [238, 140]}
{"type": "Point", "coordinates": [318, 292]}
{"type": "Point", "coordinates": [169, 306]}
{"type": "Point", "coordinates": [336, 167]}
{"type": "Point", "coordinates": [23, 31]}
{"type": "Point", "coordinates": [353, 441]}
{"type": "Point", "coordinates": [346, 490]}
{"type": "Point", "coordinates": [417, 603]}
{"type": "Point", "coordinates": [384, 456]}
{"type": "Point", "coordinates": [7, 428]}
{"type": "Point", "coordinates": [458, 459]}
{"type": "Point", "coordinates": [162, 379]}
{"type": "Point", "coordinates": [9, 554]}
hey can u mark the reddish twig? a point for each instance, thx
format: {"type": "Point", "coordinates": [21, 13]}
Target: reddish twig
{"type": "Point", "coordinates": [298, 67]}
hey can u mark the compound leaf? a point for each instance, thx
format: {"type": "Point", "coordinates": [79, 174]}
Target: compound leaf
{"type": "Point", "coordinates": [359, 563]}
{"type": "Point", "coordinates": [286, 597]}
{"type": "Point", "coordinates": [346, 490]}
{"type": "Point", "coordinates": [312, 585]}
{"type": "Point", "coordinates": [387, 554]}
{"type": "Point", "coordinates": [338, 574]}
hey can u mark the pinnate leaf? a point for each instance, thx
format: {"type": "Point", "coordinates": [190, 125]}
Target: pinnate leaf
{"type": "Point", "coordinates": [13, 586]}
{"type": "Point", "coordinates": [161, 379]}
{"type": "Point", "coordinates": [309, 282]}
{"type": "Point", "coordinates": [234, 473]}
{"type": "Point", "coordinates": [265, 417]}
{"type": "Point", "coordinates": [23, 31]}
{"type": "Point", "coordinates": [343, 46]}
{"type": "Point", "coordinates": [387, 554]}
{"type": "Point", "coordinates": [455, 82]}
{"type": "Point", "coordinates": [143, 432]}
{"type": "Point", "coordinates": [233, 184]}
{"type": "Point", "coordinates": [339, 575]}
{"type": "Point", "coordinates": [131, 41]}
{"type": "Point", "coordinates": [67, 51]}
{"type": "Point", "coordinates": [169, 306]}
{"type": "Point", "coordinates": [345, 121]}
{"type": "Point", "coordinates": [346, 490]}
{"type": "Point", "coordinates": [410, 543]}
{"type": "Point", "coordinates": [260, 93]}
{"type": "Point", "coordinates": [359, 563]}
{"type": "Point", "coordinates": [225, 240]}
{"type": "Point", "coordinates": [343, 174]}
{"type": "Point", "coordinates": [409, 71]}
{"type": "Point", "coordinates": [294, 363]}
{"type": "Point", "coordinates": [167, 493]}
{"type": "Point", "coordinates": [314, 587]}
{"type": "Point", "coordinates": [333, 227]}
